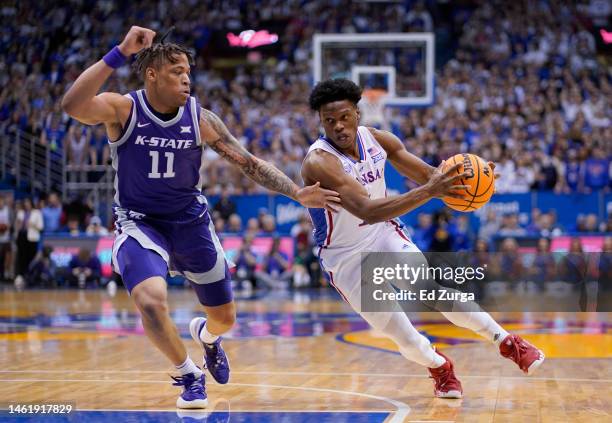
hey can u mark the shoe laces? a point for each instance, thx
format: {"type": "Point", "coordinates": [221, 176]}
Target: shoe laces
{"type": "Point", "coordinates": [189, 382]}
{"type": "Point", "coordinates": [214, 349]}
{"type": "Point", "coordinates": [518, 348]}
{"type": "Point", "coordinates": [442, 377]}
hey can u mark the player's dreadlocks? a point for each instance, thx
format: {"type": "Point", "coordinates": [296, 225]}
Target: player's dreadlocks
{"type": "Point", "coordinates": [159, 54]}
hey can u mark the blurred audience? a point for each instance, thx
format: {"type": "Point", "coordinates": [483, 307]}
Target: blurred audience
{"type": "Point", "coordinates": [225, 206]}
{"type": "Point", "coordinates": [52, 213]}
{"type": "Point", "coordinates": [245, 264]}
{"type": "Point", "coordinates": [42, 271]}
{"type": "Point", "coordinates": [276, 271]}
{"type": "Point", "coordinates": [519, 85]}
{"type": "Point", "coordinates": [95, 227]}
{"type": "Point", "coordinates": [523, 86]}
{"type": "Point", "coordinates": [85, 269]}
{"type": "Point", "coordinates": [29, 224]}
{"type": "Point", "coordinates": [6, 218]}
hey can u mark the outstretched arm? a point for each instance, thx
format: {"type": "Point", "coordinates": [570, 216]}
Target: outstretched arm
{"type": "Point", "coordinates": [406, 163]}
{"type": "Point", "coordinates": [217, 136]}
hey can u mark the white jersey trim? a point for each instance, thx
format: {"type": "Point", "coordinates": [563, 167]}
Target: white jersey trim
{"type": "Point", "coordinates": [130, 127]}
{"type": "Point", "coordinates": [115, 164]}
{"type": "Point", "coordinates": [152, 116]}
{"type": "Point", "coordinates": [194, 118]}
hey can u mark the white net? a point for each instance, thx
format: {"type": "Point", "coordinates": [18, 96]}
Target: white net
{"type": "Point", "coordinates": [400, 64]}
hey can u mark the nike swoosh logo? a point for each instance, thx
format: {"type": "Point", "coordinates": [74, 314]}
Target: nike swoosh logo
{"type": "Point", "coordinates": [142, 125]}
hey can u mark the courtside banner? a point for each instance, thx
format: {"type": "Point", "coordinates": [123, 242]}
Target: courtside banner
{"type": "Point", "coordinates": [470, 281]}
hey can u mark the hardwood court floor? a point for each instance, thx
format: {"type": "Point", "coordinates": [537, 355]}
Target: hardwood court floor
{"type": "Point", "coordinates": [295, 357]}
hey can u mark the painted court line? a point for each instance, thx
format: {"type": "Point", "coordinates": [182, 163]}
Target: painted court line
{"type": "Point", "coordinates": [387, 375]}
{"type": "Point", "coordinates": [204, 410]}
{"type": "Point", "coordinates": [400, 414]}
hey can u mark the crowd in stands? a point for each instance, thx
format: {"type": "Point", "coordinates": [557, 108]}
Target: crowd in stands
{"type": "Point", "coordinates": [25, 223]}
{"type": "Point", "coordinates": [524, 88]}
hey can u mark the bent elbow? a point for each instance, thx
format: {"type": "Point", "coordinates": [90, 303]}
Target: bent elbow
{"type": "Point", "coordinates": [371, 220]}
{"type": "Point", "coordinates": [67, 105]}
{"type": "Point", "coordinates": [371, 217]}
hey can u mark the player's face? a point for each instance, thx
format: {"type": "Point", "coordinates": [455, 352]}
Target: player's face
{"type": "Point", "coordinates": [172, 82]}
{"type": "Point", "coordinates": [340, 120]}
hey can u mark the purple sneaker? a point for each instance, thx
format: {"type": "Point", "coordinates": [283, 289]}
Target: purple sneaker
{"type": "Point", "coordinates": [215, 359]}
{"type": "Point", "coordinates": [194, 391]}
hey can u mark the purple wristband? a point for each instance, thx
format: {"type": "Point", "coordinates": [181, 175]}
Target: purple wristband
{"type": "Point", "coordinates": [114, 58]}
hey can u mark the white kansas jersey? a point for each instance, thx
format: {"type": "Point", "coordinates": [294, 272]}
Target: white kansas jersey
{"type": "Point", "coordinates": [344, 232]}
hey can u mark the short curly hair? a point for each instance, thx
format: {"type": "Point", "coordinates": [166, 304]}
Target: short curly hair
{"type": "Point", "coordinates": [334, 90]}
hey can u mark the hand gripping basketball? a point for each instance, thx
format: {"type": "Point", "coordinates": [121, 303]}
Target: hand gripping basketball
{"type": "Point", "coordinates": [446, 182]}
{"type": "Point", "coordinates": [480, 182]}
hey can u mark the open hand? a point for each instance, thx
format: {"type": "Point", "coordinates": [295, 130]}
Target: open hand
{"type": "Point", "coordinates": [313, 196]}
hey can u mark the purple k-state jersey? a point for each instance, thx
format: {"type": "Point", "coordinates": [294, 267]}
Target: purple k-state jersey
{"type": "Point", "coordinates": [157, 162]}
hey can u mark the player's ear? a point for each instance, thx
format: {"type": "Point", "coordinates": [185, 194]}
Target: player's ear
{"type": "Point", "coordinates": [150, 74]}
{"type": "Point", "coordinates": [357, 112]}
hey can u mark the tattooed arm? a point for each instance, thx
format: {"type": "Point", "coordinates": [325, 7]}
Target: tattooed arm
{"type": "Point", "coordinates": [217, 136]}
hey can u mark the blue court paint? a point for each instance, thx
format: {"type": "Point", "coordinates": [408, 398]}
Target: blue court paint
{"type": "Point", "coordinates": [198, 417]}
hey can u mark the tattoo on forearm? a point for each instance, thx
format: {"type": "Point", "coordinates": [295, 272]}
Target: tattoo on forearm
{"type": "Point", "coordinates": [262, 172]}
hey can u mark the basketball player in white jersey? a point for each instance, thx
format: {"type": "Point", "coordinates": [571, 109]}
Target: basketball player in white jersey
{"type": "Point", "coordinates": [350, 159]}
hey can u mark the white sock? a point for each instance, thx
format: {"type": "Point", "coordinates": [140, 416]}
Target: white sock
{"type": "Point", "coordinates": [189, 366]}
{"type": "Point", "coordinates": [206, 336]}
{"type": "Point", "coordinates": [412, 345]}
{"type": "Point", "coordinates": [480, 322]}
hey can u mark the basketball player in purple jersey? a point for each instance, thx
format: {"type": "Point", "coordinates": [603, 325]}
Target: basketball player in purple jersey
{"type": "Point", "coordinates": [156, 138]}
{"type": "Point", "coordinates": [351, 160]}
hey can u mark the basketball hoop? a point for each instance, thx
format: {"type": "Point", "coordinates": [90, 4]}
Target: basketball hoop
{"type": "Point", "coordinates": [372, 107]}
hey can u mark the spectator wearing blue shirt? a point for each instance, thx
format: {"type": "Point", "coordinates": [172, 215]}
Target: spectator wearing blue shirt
{"type": "Point", "coordinates": [276, 269]}
{"type": "Point", "coordinates": [421, 235]}
{"type": "Point", "coordinates": [574, 173]}
{"type": "Point", "coordinates": [544, 267]}
{"type": "Point", "coordinates": [52, 213]}
{"type": "Point", "coordinates": [53, 136]}
{"type": "Point", "coordinates": [42, 270]}
{"type": "Point", "coordinates": [596, 171]}
{"type": "Point", "coordinates": [85, 268]}
{"type": "Point", "coordinates": [462, 238]}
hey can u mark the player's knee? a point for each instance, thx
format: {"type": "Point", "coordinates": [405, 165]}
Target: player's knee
{"type": "Point", "coordinates": [224, 316]}
{"type": "Point", "coordinates": [152, 304]}
{"type": "Point", "coordinates": [154, 310]}
{"type": "Point", "coordinates": [227, 319]}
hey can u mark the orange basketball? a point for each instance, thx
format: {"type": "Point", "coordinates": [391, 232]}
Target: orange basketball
{"type": "Point", "coordinates": [481, 181]}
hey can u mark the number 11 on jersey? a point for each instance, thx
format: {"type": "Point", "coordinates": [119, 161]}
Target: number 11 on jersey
{"type": "Point", "coordinates": [169, 173]}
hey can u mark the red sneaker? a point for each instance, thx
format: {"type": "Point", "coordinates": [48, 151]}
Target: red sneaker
{"type": "Point", "coordinates": [528, 357]}
{"type": "Point", "coordinates": [446, 383]}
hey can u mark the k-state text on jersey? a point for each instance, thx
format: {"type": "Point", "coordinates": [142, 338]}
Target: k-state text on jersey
{"type": "Point", "coordinates": [163, 142]}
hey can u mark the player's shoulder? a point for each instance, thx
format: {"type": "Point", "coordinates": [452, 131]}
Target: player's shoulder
{"type": "Point", "coordinates": [380, 133]}
{"type": "Point", "coordinates": [319, 162]}
{"type": "Point", "coordinates": [116, 99]}
{"type": "Point", "coordinates": [319, 156]}
{"type": "Point", "coordinates": [387, 140]}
